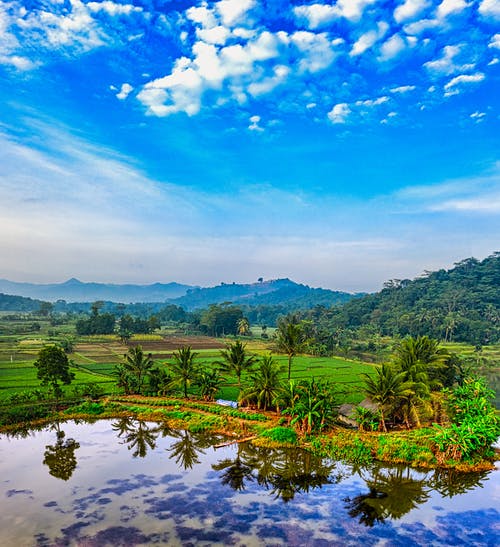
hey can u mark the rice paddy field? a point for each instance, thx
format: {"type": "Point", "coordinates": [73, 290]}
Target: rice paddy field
{"type": "Point", "coordinates": [94, 358]}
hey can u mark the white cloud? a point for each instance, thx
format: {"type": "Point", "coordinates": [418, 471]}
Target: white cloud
{"type": "Point", "coordinates": [453, 86]}
{"type": "Point", "coordinates": [410, 9]}
{"type": "Point", "coordinates": [495, 41]}
{"type": "Point", "coordinates": [124, 92]}
{"type": "Point", "coordinates": [490, 8]}
{"type": "Point", "coordinates": [318, 15]}
{"type": "Point", "coordinates": [268, 84]}
{"type": "Point", "coordinates": [368, 39]}
{"type": "Point", "coordinates": [402, 89]}
{"type": "Point", "coordinates": [113, 9]}
{"type": "Point", "coordinates": [317, 50]}
{"type": "Point", "coordinates": [447, 7]}
{"type": "Point", "coordinates": [446, 63]}
{"type": "Point", "coordinates": [215, 35]}
{"type": "Point", "coordinates": [478, 116]}
{"type": "Point", "coordinates": [254, 124]}
{"type": "Point", "coordinates": [392, 48]}
{"type": "Point", "coordinates": [339, 113]}
{"type": "Point", "coordinates": [233, 11]}
{"type": "Point", "coordinates": [202, 15]}
{"type": "Point", "coordinates": [372, 102]}
{"type": "Point", "coordinates": [418, 27]}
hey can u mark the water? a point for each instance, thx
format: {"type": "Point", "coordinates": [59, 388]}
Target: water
{"type": "Point", "coordinates": [127, 483]}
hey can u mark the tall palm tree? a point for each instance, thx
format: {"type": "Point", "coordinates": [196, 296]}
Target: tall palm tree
{"type": "Point", "coordinates": [243, 327]}
{"type": "Point", "coordinates": [290, 338]}
{"type": "Point", "coordinates": [386, 388]}
{"type": "Point", "coordinates": [422, 362]}
{"type": "Point", "coordinates": [236, 360]}
{"type": "Point", "coordinates": [184, 369]}
{"type": "Point", "coordinates": [138, 365]}
{"type": "Point", "coordinates": [266, 383]}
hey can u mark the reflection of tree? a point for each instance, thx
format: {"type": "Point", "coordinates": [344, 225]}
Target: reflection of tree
{"type": "Point", "coordinates": [392, 493]}
{"type": "Point", "coordinates": [60, 457]}
{"type": "Point", "coordinates": [187, 448]}
{"type": "Point", "coordinates": [450, 482]}
{"type": "Point", "coordinates": [137, 435]}
{"type": "Point", "coordinates": [282, 471]}
{"type": "Point", "coordinates": [235, 472]}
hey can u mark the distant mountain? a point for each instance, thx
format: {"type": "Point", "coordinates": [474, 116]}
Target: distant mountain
{"type": "Point", "coordinates": [270, 293]}
{"type": "Point", "coordinates": [283, 292]}
{"type": "Point", "coordinates": [74, 290]}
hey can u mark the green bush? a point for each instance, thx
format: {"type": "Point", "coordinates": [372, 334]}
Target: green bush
{"type": "Point", "coordinates": [88, 407]}
{"type": "Point", "coordinates": [281, 435]}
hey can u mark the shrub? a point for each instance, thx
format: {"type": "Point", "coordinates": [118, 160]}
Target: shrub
{"type": "Point", "coordinates": [281, 435]}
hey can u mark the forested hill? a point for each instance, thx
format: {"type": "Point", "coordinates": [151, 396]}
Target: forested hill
{"type": "Point", "coordinates": [18, 303]}
{"type": "Point", "coordinates": [461, 304]}
{"type": "Point", "coordinates": [283, 292]}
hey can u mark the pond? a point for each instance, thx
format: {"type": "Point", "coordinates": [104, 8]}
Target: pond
{"type": "Point", "coordinates": [127, 483]}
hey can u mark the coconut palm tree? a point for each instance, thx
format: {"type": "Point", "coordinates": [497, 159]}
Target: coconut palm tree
{"type": "Point", "coordinates": [138, 365]}
{"type": "Point", "coordinates": [386, 388]}
{"type": "Point", "coordinates": [290, 338]}
{"type": "Point", "coordinates": [243, 327]}
{"type": "Point", "coordinates": [184, 370]}
{"type": "Point", "coordinates": [266, 383]}
{"type": "Point", "coordinates": [209, 382]}
{"type": "Point", "coordinates": [236, 360]}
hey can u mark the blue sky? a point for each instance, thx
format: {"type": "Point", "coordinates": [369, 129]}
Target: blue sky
{"type": "Point", "coordinates": [336, 143]}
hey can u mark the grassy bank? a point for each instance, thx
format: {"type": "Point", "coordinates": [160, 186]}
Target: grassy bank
{"type": "Point", "coordinates": [414, 448]}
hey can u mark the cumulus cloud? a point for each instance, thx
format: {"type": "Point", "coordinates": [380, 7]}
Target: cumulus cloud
{"type": "Point", "coordinates": [125, 91]}
{"type": "Point", "coordinates": [410, 9]}
{"type": "Point", "coordinates": [448, 7]}
{"type": "Point", "coordinates": [495, 41]}
{"type": "Point", "coordinates": [368, 39]}
{"type": "Point", "coordinates": [233, 11]}
{"type": "Point", "coordinates": [339, 113]}
{"type": "Point", "coordinates": [392, 47]}
{"type": "Point", "coordinates": [446, 64]}
{"type": "Point", "coordinates": [317, 15]}
{"type": "Point", "coordinates": [490, 8]}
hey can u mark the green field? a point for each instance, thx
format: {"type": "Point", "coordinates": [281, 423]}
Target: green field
{"type": "Point", "coordinates": [95, 357]}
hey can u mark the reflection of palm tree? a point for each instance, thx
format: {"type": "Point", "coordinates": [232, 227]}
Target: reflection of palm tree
{"type": "Point", "coordinates": [186, 450]}
{"type": "Point", "coordinates": [392, 494]}
{"type": "Point", "coordinates": [450, 482]}
{"type": "Point", "coordinates": [60, 458]}
{"type": "Point", "coordinates": [137, 436]}
{"type": "Point", "coordinates": [235, 472]}
{"type": "Point", "coordinates": [284, 472]}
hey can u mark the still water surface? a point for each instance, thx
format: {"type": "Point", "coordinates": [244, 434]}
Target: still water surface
{"type": "Point", "coordinates": [128, 483]}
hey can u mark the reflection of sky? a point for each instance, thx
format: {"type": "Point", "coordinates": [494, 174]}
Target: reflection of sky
{"type": "Point", "coordinates": [113, 498]}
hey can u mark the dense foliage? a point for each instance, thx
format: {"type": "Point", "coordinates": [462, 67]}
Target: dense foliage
{"type": "Point", "coordinates": [460, 304]}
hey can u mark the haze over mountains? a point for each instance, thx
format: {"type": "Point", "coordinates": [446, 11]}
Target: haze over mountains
{"type": "Point", "coordinates": [189, 297]}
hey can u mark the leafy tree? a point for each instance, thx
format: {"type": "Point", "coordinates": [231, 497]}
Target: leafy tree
{"type": "Point", "coordinates": [183, 369]}
{"type": "Point", "coordinates": [53, 368]}
{"type": "Point", "coordinates": [265, 383]}
{"type": "Point", "coordinates": [159, 381]}
{"type": "Point", "coordinates": [290, 338]}
{"type": "Point", "coordinates": [236, 360]}
{"type": "Point", "coordinates": [221, 319]}
{"type": "Point", "coordinates": [46, 308]}
{"type": "Point", "coordinates": [385, 389]}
